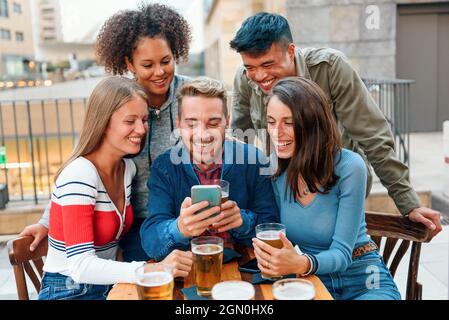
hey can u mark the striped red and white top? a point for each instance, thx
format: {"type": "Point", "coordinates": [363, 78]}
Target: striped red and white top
{"type": "Point", "coordinates": [85, 226]}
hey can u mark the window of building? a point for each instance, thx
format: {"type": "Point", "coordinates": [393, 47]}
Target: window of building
{"type": "Point", "coordinates": [48, 10]}
{"type": "Point", "coordinates": [5, 34]}
{"type": "Point", "coordinates": [17, 8]}
{"type": "Point", "coordinates": [4, 8]}
{"type": "Point", "coordinates": [19, 36]}
{"type": "Point", "coordinates": [14, 66]}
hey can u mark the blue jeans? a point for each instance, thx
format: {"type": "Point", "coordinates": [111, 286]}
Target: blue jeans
{"type": "Point", "coordinates": [132, 245]}
{"type": "Point", "coordinates": [56, 286]}
{"type": "Point", "coordinates": [367, 278]}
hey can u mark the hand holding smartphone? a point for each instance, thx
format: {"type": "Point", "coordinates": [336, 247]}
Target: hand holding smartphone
{"type": "Point", "coordinates": [209, 193]}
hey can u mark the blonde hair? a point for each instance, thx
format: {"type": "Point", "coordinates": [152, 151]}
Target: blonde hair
{"type": "Point", "coordinates": [108, 96]}
{"type": "Point", "coordinates": [202, 86]}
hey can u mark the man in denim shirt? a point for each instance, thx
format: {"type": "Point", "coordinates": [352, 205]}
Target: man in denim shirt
{"type": "Point", "coordinates": [172, 219]}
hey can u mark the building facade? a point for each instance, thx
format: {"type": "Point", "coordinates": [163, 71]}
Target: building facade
{"type": "Point", "coordinates": [49, 17]}
{"type": "Point", "coordinates": [16, 41]}
{"type": "Point", "coordinates": [386, 39]}
{"type": "Point", "coordinates": [51, 45]}
{"type": "Point", "coordinates": [223, 19]}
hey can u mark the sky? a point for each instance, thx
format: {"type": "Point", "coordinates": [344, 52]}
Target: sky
{"type": "Point", "coordinates": [81, 19]}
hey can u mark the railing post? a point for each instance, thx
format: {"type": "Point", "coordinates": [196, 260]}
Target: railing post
{"type": "Point", "coordinates": [3, 143]}
{"type": "Point", "coordinates": [393, 101]}
{"type": "Point", "coordinates": [17, 149]}
{"type": "Point", "coordinates": [46, 146]}
{"type": "Point", "coordinates": [59, 130]}
{"type": "Point", "coordinates": [72, 123]}
{"type": "Point", "coordinates": [30, 136]}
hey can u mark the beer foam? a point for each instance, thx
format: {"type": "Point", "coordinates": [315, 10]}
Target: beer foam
{"type": "Point", "coordinates": [268, 235]}
{"type": "Point", "coordinates": [233, 290]}
{"type": "Point", "coordinates": [155, 279]}
{"type": "Point", "coordinates": [206, 249]}
{"type": "Point", "coordinates": [294, 291]}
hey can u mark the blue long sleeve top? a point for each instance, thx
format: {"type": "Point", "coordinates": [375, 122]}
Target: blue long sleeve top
{"type": "Point", "coordinates": [333, 224]}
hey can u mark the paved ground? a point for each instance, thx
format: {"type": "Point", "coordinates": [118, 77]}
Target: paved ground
{"type": "Point", "coordinates": [428, 172]}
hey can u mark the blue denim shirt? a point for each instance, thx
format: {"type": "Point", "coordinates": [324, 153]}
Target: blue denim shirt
{"type": "Point", "coordinates": [171, 178]}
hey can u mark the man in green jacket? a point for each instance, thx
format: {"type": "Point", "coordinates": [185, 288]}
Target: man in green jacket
{"type": "Point", "coordinates": [265, 44]}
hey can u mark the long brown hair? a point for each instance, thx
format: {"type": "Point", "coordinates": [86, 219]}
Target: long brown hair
{"type": "Point", "coordinates": [317, 139]}
{"type": "Point", "coordinates": [108, 96]}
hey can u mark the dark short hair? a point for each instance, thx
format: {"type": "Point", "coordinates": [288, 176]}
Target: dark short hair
{"type": "Point", "coordinates": [259, 32]}
{"type": "Point", "coordinates": [205, 87]}
{"type": "Point", "coordinates": [316, 134]}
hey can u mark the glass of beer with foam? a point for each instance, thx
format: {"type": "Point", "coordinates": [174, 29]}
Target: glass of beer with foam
{"type": "Point", "coordinates": [155, 281]}
{"type": "Point", "coordinates": [224, 186]}
{"type": "Point", "coordinates": [269, 233]}
{"type": "Point", "coordinates": [207, 263]}
{"type": "Point", "coordinates": [293, 289]}
{"type": "Point", "coordinates": [233, 290]}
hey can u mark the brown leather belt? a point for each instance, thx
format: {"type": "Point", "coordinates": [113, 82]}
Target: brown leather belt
{"type": "Point", "coordinates": [370, 246]}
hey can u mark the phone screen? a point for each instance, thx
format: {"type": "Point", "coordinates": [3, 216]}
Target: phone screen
{"type": "Point", "coordinates": [209, 193]}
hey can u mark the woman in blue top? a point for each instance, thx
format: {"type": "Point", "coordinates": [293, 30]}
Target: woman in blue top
{"type": "Point", "coordinates": [320, 191]}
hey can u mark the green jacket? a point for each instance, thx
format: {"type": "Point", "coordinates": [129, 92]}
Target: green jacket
{"type": "Point", "coordinates": [363, 127]}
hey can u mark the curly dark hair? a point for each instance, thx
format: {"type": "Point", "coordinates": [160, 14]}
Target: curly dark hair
{"type": "Point", "coordinates": [120, 34]}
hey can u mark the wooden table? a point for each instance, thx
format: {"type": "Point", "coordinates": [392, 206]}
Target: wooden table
{"type": "Point", "coordinates": [230, 271]}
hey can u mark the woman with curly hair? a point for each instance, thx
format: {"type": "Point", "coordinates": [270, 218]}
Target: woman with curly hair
{"type": "Point", "coordinates": [147, 42]}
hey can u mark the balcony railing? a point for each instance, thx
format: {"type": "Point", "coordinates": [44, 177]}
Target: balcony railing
{"type": "Point", "coordinates": [38, 136]}
{"type": "Point", "coordinates": [392, 97]}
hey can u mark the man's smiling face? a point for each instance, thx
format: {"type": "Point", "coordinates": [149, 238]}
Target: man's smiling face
{"type": "Point", "coordinates": [267, 68]}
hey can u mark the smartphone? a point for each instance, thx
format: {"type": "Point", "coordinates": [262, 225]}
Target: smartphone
{"type": "Point", "coordinates": [209, 193]}
{"type": "Point", "coordinates": [250, 266]}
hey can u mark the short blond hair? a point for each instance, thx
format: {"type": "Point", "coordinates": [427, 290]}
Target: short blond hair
{"type": "Point", "coordinates": [202, 86]}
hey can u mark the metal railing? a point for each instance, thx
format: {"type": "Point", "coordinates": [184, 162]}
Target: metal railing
{"type": "Point", "coordinates": [40, 134]}
{"type": "Point", "coordinates": [392, 97]}
{"type": "Point", "coordinates": [37, 135]}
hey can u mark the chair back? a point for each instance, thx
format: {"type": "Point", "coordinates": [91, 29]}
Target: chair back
{"type": "Point", "coordinates": [24, 262]}
{"type": "Point", "coordinates": [393, 234]}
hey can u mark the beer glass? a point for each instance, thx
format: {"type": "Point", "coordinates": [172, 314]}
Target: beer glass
{"type": "Point", "coordinates": [233, 290]}
{"type": "Point", "coordinates": [224, 185]}
{"type": "Point", "coordinates": [269, 233]}
{"type": "Point", "coordinates": [293, 289]}
{"type": "Point", "coordinates": [207, 263]}
{"type": "Point", "coordinates": [155, 281]}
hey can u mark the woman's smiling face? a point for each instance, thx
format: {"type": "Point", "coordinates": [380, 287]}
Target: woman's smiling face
{"type": "Point", "coordinates": [281, 128]}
